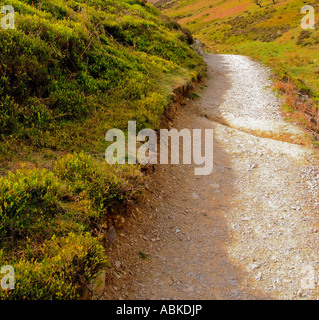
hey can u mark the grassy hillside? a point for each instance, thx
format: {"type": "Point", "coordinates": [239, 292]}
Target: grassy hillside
{"type": "Point", "coordinates": [70, 71]}
{"type": "Point", "coordinates": [271, 34]}
{"type": "Point", "coordinates": [72, 63]}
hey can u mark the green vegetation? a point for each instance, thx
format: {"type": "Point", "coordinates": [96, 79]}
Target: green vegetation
{"type": "Point", "coordinates": [70, 71]}
{"type": "Point", "coordinates": [53, 222]}
{"type": "Point", "coordinates": [69, 64]}
{"type": "Point", "coordinates": [143, 255]}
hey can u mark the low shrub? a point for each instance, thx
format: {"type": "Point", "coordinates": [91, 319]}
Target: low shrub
{"type": "Point", "coordinates": [65, 60]}
{"type": "Point", "coordinates": [61, 270]}
{"type": "Point", "coordinates": [108, 186]}
{"type": "Point", "coordinates": [28, 202]}
{"type": "Point", "coordinates": [52, 223]}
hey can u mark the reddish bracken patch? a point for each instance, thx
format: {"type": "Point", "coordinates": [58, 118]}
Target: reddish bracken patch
{"type": "Point", "coordinates": [219, 12]}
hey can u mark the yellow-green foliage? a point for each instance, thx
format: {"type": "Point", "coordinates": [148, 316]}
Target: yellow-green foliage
{"type": "Point", "coordinates": [67, 61]}
{"type": "Point", "coordinates": [60, 269]}
{"type": "Point", "coordinates": [106, 185]}
{"type": "Point", "coordinates": [51, 221]}
{"type": "Point", "coordinates": [28, 200]}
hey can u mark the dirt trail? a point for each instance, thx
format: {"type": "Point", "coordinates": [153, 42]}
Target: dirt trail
{"type": "Point", "coordinates": [244, 232]}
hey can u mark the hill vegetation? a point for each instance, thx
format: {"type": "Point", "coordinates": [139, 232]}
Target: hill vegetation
{"type": "Point", "coordinates": [70, 71]}
{"type": "Point", "coordinates": [271, 34]}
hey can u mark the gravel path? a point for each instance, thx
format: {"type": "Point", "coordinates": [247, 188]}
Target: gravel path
{"type": "Point", "coordinates": [247, 231]}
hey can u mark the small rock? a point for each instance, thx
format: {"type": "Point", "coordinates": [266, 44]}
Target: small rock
{"type": "Point", "coordinates": [235, 293]}
{"type": "Point", "coordinates": [253, 166]}
{"type": "Point", "coordinates": [255, 266]}
{"type": "Point", "coordinates": [258, 277]}
{"type": "Point", "coordinates": [111, 236]}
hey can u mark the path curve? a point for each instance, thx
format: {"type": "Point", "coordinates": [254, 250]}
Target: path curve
{"type": "Point", "coordinates": [247, 230]}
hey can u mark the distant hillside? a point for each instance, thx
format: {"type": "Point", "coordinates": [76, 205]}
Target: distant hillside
{"type": "Point", "coordinates": [271, 34]}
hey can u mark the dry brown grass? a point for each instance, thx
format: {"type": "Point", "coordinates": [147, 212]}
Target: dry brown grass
{"type": "Point", "coordinates": [300, 108]}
